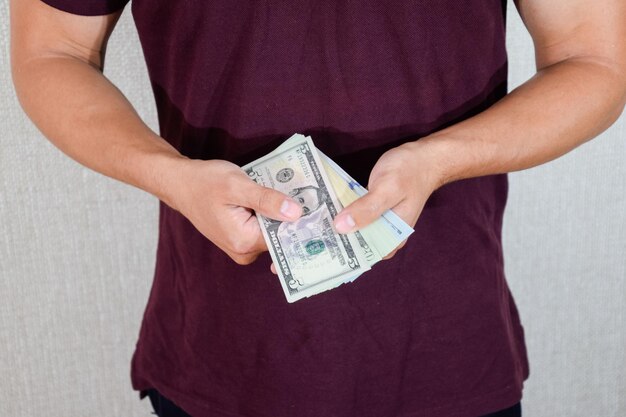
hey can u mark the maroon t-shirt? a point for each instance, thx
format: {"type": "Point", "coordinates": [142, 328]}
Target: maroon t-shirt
{"type": "Point", "coordinates": [434, 331]}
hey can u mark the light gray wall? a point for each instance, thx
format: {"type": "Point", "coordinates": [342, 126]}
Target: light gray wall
{"type": "Point", "coordinates": [565, 254]}
{"type": "Point", "coordinates": [77, 253]}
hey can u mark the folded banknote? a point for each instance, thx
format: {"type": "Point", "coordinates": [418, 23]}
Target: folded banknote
{"type": "Point", "coordinates": [309, 255]}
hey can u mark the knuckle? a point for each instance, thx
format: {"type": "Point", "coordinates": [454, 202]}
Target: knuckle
{"type": "Point", "coordinates": [395, 251]}
{"type": "Point", "coordinates": [230, 185]}
{"type": "Point", "coordinates": [389, 196]}
{"type": "Point", "coordinates": [240, 246]}
{"type": "Point", "coordinates": [396, 184]}
{"type": "Point", "coordinates": [243, 259]}
{"type": "Point", "coordinates": [264, 198]}
{"type": "Point", "coordinates": [371, 206]}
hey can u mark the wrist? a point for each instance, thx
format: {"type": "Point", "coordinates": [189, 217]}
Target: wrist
{"type": "Point", "coordinates": [164, 172]}
{"type": "Point", "coordinates": [432, 158]}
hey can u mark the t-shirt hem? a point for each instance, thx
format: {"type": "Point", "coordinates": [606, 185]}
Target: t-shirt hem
{"type": "Point", "coordinates": [189, 406]}
{"type": "Point", "coordinates": [474, 407]}
{"type": "Point", "coordinates": [478, 406]}
{"type": "Point", "coordinates": [87, 7]}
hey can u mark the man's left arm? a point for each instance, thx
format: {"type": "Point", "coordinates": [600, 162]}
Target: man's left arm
{"type": "Point", "coordinates": [579, 91]}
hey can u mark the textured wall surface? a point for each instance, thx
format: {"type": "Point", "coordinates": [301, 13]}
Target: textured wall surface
{"type": "Point", "coordinates": [565, 254]}
{"type": "Point", "coordinates": [77, 253]}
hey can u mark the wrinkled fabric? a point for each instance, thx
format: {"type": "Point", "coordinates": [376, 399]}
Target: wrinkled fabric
{"type": "Point", "coordinates": [432, 332]}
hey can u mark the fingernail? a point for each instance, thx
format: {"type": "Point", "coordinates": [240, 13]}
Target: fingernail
{"type": "Point", "coordinates": [290, 209]}
{"type": "Point", "coordinates": [345, 224]}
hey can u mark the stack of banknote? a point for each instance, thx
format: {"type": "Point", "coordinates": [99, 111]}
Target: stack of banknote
{"type": "Point", "coordinates": [309, 255]}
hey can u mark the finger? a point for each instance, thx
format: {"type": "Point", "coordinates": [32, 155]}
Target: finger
{"type": "Point", "coordinates": [270, 203]}
{"type": "Point", "coordinates": [240, 259]}
{"type": "Point", "coordinates": [365, 210]}
{"type": "Point", "coordinates": [246, 251]}
{"type": "Point", "coordinates": [243, 242]}
{"type": "Point", "coordinates": [393, 252]}
{"type": "Point", "coordinates": [252, 240]}
{"type": "Point", "coordinates": [273, 269]}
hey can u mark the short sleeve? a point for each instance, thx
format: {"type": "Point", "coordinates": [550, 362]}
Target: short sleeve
{"type": "Point", "coordinates": [87, 7]}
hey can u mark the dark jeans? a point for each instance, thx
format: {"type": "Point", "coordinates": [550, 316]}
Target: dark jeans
{"type": "Point", "coordinates": [165, 408]}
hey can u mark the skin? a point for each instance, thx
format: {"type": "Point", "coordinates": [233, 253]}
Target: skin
{"type": "Point", "coordinates": [57, 60]}
{"type": "Point", "coordinates": [579, 90]}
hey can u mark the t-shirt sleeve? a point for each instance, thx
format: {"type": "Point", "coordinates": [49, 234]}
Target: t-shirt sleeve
{"type": "Point", "coordinates": [87, 7]}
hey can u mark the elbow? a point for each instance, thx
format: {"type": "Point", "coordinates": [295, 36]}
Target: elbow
{"type": "Point", "coordinates": [618, 84]}
{"type": "Point", "coordinates": [19, 80]}
{"type": "Point", "coordinates": [613, 73]}
{"type": "Point", "coordinates": [619, 73]}
{"type": "Point", "coordinates": [615, 68]}
{"type": "Point", "coordinates": [622, 102]}
{"type": "Point", "coordinates": [24, 80]}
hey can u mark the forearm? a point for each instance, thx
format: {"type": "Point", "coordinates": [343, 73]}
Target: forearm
{"type": "Point", "coordinates": [90, 120]}
{"type": "Point", "coordinates": [560, 108]}
{"type": "Point", "coordinates": [83, 114]}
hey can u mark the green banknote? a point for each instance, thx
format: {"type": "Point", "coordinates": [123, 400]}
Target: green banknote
{"type": "Point", "coordinates": [309, 255]}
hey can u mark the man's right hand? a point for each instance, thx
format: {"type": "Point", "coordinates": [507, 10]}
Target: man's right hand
{"type": "Point", "coordinates": [57, 60]}
{"type": "Point", "coordinates": [220, 201]}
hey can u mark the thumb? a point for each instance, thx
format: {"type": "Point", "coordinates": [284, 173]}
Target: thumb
{"type": "Point", "coordinates": [364, 211]}
{"type": "Point", "coordinates": [271, 203]}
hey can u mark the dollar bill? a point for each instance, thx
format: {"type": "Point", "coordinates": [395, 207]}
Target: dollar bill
{"type": "Point", "coordinates": [383, 235]}
{"type": "Point", "coordinates": [387, 232]}
{"type": "Point", "coordinates": [309, 255]}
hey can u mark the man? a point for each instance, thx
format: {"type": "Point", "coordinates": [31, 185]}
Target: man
{"type": "Point", "coordinates": [433, 331]}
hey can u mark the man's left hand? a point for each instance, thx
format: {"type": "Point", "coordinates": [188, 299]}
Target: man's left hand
{"type": "Point", "coordinates": [402, 180]}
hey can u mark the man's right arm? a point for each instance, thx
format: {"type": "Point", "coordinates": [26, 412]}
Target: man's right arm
{"type": "Point", "coordinates": [57, 60]}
